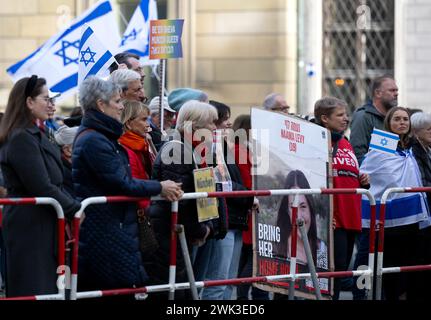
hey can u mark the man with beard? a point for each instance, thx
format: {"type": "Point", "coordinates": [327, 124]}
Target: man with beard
{"type": "Point", "coordinates": [384, 93]}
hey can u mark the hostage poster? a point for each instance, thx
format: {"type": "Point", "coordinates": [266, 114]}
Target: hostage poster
{"type": "Point", "coordinates": [291, 153]}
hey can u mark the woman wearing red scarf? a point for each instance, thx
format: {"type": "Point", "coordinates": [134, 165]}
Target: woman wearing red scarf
{"type": "Point", "coordinates": [139, 150]}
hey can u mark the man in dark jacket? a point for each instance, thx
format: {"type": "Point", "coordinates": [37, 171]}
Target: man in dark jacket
{"type": "Point", "coordinates": [384, 93]}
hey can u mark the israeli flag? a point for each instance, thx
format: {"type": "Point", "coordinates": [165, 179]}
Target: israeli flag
{"type": "Point", "coordinates": [136, 38]}
{"type": "Point", "coordinates": [384, 141]}
{"type": "Point", "coordinates": [94, 58]}
{"type": "Point", "coordinates": [393, 171]}
{"type": "Point", "coordinates": [57, 59]}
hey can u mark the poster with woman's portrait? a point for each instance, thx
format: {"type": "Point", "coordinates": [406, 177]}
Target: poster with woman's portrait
{"type": "Point", "coordinates": [291, 153]}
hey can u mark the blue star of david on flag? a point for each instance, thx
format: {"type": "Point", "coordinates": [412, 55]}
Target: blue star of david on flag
{"type": "Point", "coordinates": [383, 141]}
{"type": "Point", "coordinates": [66, 54]}
{"type": "Point", "coordinates": [95, 59]}
{"type": "Point", "coordinates": [91, 59]}
{"type": "Point", "coordinates": [131, 36]}
{"type": "Point", "coordinates": [136, 37]}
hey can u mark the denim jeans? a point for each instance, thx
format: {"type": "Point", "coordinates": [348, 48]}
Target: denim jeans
{"type": "Point", "coordinates": [221, 264]}
{"type": "Point", "coordinates": [234, 264]}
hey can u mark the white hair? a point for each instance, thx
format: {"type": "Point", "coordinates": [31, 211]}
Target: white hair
{"type": "Point", "coordinates": [122, 77]}
{"type": "Point", "coordinates": [196, 112]}
{"type": "Point", "coordinates": [270, 101]}
{"type": "Point", "coordinates": [420, 120]}
{"type": "Point", "coordinates": [93, 89]}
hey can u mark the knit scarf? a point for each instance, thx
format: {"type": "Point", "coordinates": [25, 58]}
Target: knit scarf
{"type": "Point", "coordinates": [134, 141]}
{"type": "Point", "coordinates": [140, 145]}
{"type": "Point", "coordinates": [202, 159]}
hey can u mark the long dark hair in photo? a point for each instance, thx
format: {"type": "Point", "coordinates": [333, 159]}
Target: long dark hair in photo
{"type": "Point", "coordinates": [295, 178]}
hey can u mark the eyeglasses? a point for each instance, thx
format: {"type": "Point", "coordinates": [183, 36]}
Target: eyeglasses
{"type": "Point", "coordinates": [281, 109]}
{"type": "Point", "coordinates": [48, 100]}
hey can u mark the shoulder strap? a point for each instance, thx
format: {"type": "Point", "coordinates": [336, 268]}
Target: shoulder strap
{"type": "Point", "coordinates": [335, 149]}
{"type": "Point", "coordinates": [193, 154]}
{"type": "Point", "coordinates": [81, 134]}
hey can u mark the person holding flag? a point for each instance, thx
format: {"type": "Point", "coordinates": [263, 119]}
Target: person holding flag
{"type": "Point", "coordinates": [406, 213]}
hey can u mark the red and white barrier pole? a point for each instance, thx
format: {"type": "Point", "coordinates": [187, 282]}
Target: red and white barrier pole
{"type": "Point", "coordinates": [171, 286]}
{"type": "Point", "coordinates": [380, 269]}
{"type": "Point", "coordinates": [61, 281]}
{"type": "Point", "coordinates": [173, 252]}
{"type": "Point", "coordinates": [214, 283]}
{"type": "Point", "coordinates": [76, 227]}
{"type": "Point", "coordinates": [293, 246]}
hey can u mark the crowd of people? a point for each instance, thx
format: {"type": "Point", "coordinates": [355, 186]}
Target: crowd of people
{"type": "Point", "coordinates": [114, 144]}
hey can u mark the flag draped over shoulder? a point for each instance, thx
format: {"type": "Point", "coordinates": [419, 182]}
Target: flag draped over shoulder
{"type": "Point", "coordinates": [94, 58]}
{"type": "Point", "coordinates": [136, 37]}
{"type": "Point", "coordinates": [57, 59]}
{"type": "Point", "coordinates": [390, 171]}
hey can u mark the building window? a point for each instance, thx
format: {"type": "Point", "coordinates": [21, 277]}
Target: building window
{"type": "Point", "coordinates": [358, 45]}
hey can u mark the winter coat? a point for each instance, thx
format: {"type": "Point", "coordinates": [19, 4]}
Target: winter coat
{"type": "Point", "coordinates": [364, 119]}
{"type": "Point", "coordinates": [423, 159]}
{"type": "Point", "coordinates": [238, 208]}
{"type": "Point", "coordinates": [109, 254]}
{"type": "Point", "coordinates": [179, 170]}
{"type": "Point", "coordinates": [32, 167]}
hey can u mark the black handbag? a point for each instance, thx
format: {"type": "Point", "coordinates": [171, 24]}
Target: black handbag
{"type": "Point", "coordinates": [148, 242]}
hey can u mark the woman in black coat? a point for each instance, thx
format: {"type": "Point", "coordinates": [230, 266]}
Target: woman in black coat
{"type": "Point", "coordinates": [176, 161]}
{"type": "Point", "coordinates": [31, 167]}
{"type": "Point", "coordinates": [109, 255]}
{"type": "Point", "coordinates": [421, 145]}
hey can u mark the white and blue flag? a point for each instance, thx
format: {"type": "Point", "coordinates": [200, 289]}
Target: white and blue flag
{"type": "Point", "coordinates": [394, 171]}
{"type": "Point", "coordinates": [384, 141]}
{"type": "Point", "coordinates": [57, 60]}
{"type": "Point", "coordinates": [94, 57]}
{"type": "Point", "coordinates": [136, 38]}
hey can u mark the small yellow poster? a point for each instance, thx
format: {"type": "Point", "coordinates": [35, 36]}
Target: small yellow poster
{"type": "Point", "coordinates": [205, 182]}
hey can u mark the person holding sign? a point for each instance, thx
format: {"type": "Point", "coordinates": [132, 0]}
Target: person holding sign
{"type": "Point", "coordinates": [406, 213]}
{"type": "Point", "coordinates": [331, 113]}
{"type": "Point", "coordinates": [225, 253]}
{"type": "Point", "coordinates": [177, 160]}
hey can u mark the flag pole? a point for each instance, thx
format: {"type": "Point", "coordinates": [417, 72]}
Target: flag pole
{"type": "Point", "coordinates": [161, 95]}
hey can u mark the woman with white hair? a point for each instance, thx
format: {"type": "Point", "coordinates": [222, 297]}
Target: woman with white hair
{"type": "Point", "coordinates": [176, 161]}
{"type": "Point", "coordinates": [109, 247]}
{"type": "Point", "coordinates": [421, 145]}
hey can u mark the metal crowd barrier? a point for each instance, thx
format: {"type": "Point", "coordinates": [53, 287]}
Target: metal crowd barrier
{"type": "Point", "coordinates": [62, 279]}
{"type": "Point", "coordinates": [172, 286]}
{"type": "Point", "coordinates": [380, 270]}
